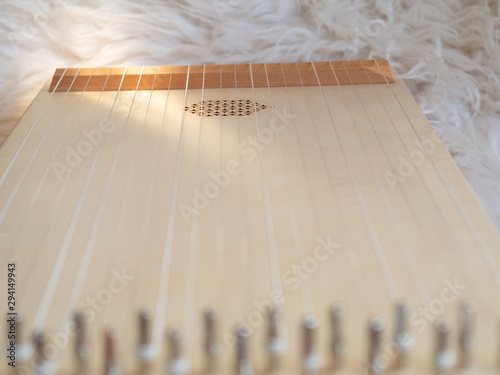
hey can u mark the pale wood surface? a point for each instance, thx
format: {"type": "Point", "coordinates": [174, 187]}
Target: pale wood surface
{"type": "Point", "coordinates": [323, 174]}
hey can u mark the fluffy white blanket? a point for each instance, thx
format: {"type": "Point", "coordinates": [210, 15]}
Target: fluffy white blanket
{"type": "Point", "coordinates": [448, 52]}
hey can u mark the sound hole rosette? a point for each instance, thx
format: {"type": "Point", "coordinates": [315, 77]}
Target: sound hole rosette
{"type": "Point", "coordinates": [225, 107]}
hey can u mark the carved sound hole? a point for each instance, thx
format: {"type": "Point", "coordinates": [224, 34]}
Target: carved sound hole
{"type": "Point", "coordinates": [225, 107]}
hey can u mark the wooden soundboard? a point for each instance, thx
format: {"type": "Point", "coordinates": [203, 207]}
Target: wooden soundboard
{"type": "Point", "coordinates": [240, 219]}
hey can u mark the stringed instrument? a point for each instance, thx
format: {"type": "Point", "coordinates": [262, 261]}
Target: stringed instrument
{"type": "Point", "coordinates": [240, 219]}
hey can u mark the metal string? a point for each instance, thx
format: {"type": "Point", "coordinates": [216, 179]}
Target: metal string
{"type": "Point", "coordinates": [485, 252]}
{"type": "Point", "coordinates": [353, 263]}
{"type": "Point", "coordinates": [14, 158]}
{"type": "Point", "coordinates": [147, 215]}
{"type": "Point", "coordinates": [44, 306]}
{"type": "Point", "coordinates": [272, 247]}
{"type": "Point", "coordinates": [379, 254]}
{"type": "Point", "coordinates": [403, 243]}
{"type": "Point", "coordinates": [35, 196]}
{"type": "Point", "coordinates": [13, 194]}
{"type": "Point", "coordinates": [88, 251]}
{"type": "Point", "coordinates": [244, 249]}
{"type": "Point", "coordinates": [161, 300]}
{"type": "Point", "coordinates": [307, 300]}
{"type": "Point", "coordinates": [220, 217]}
{"type": "Point", "coordinates": [444, 225]}
{"type": "Point", "coordinates": [131, 177]}
{"type": "Point", "coordinates": [189, 301]}
{"type": "Point", "coordinates": [60, 195]}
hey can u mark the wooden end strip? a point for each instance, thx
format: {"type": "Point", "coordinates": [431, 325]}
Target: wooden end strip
{"type": "Point", "coordinates": [216, 76]}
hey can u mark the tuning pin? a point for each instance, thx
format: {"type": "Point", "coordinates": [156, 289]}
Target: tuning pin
{"type": "Point", "coordinates": [376, 363]}
{"type": "Point", "coordinates": [443, 358]}
{"type": "Point", "coordinates": [403, 339]}
{"type": "Point", "coordinates": [43, 364]}
{"type": "Point", "coordinates": [243, 365]}
{"type": "Point", "coordinates": [145, 350]}
{"type": "Point", "coordinates": [24, 350]}
{"type": "Point", "coordinates": [145, 319]}
{"type": "Point", "coordinates": [466, 325]}
{"type": "Point", "coordinates": [338, 346]}
{"type": "Point", "coordinates": [39, 342]}
{"type": "Point", "coordinates": [177, 364]}
{"type": "Point", "coordinates": [18, 318]}
{"type": "Point", "coordinates": [275, 344]}
{"type": "Point", "coordinates": [82, 348]}
{"type": "Point", "coordinates": [111, 366]}
{"type": "Point", "coordinates": [311, 361]}
{"type": "Point", "coordinates": [211, 343]}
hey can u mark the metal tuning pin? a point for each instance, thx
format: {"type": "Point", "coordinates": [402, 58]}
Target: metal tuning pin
{"type": "Point", "coordinates": [338, 345]}
{"type": "Point", "coordinates": [402, 338]}
{"type": "Point", "coordinates": [39, 342]}
{"type": "Point", "coordinates": [82, 348]}
{"type": "Point", "coordinates": [243, 364]}
{"type": "Point", "coordinates": [111, 366]}
{"type": "Point", "coordinates": [376, 363]}
{"type": "Point", "coordinates": [145, 350]}
{"type": "Point", "coordinates": [43, 365]}
{"type": "Point", "coordinates": [211, 343]}
{"type": "Point", "coordinates": [177, 363]}
{"type": "Point", "coordinates": [311, 360]}
{"type": "Point", "coordinates": [443, 358]}
{"type": "Point", "coordinates": [466, 326]}
{"type": "Point", "coordinates": [24, 349]}
{"type": "Point", "coordinates": [275, 343]}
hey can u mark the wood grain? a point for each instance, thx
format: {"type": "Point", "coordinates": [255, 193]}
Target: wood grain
{"type": "Point", "coordinates": [336, 192]}
{"type": "Point", "coordinates": [166, 77]}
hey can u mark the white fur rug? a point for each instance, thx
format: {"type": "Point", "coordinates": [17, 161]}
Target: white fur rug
{"type": "Point", "coordinates": [448, 52]}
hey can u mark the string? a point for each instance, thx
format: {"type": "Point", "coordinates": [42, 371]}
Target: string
{"type": "Point", "coordinates": [14, 158]}
{"type": "Point", "coordinates": [13, 194]}
{"type": "Point", "coordinates": [307, 301]}
{"type": "Point", "coordinates": [89, 248]}
{"type": "Point", "coordinates": [147, 215]}
{"type": "Point", "coordinates": [444, 224]}
{"type": "Point", "coordinates": [350, 254]}
{"type": "Point", "coordinates": [53, 212]}
{"type": "Point", "coordinates": [271, 238]}
{"type": "Point", "coordinates": [161, 300]}
{"type": "Point", "coordinates": [72, 299]}
{"type": "Point", "coordinates": [131, 176]}
{"type": "Point", "coordinates": [379, 254]}
{"type": "Point", "coordinates": [244, 247]}
{"type": "Point", "coordinates": [220, 217]}
{"type": "Point", "coordinates": [40, 185]}
{"type": "Point", "coordinates": [44, 306]}
{"type": "Point", "coordinates": [35, 196]}
{"type": "Point", "coordinates": [403, 244]}
{"type": "Point", "coordinates": [193, 236]}
{"type": "Point", "coordinates": [487, 256]}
